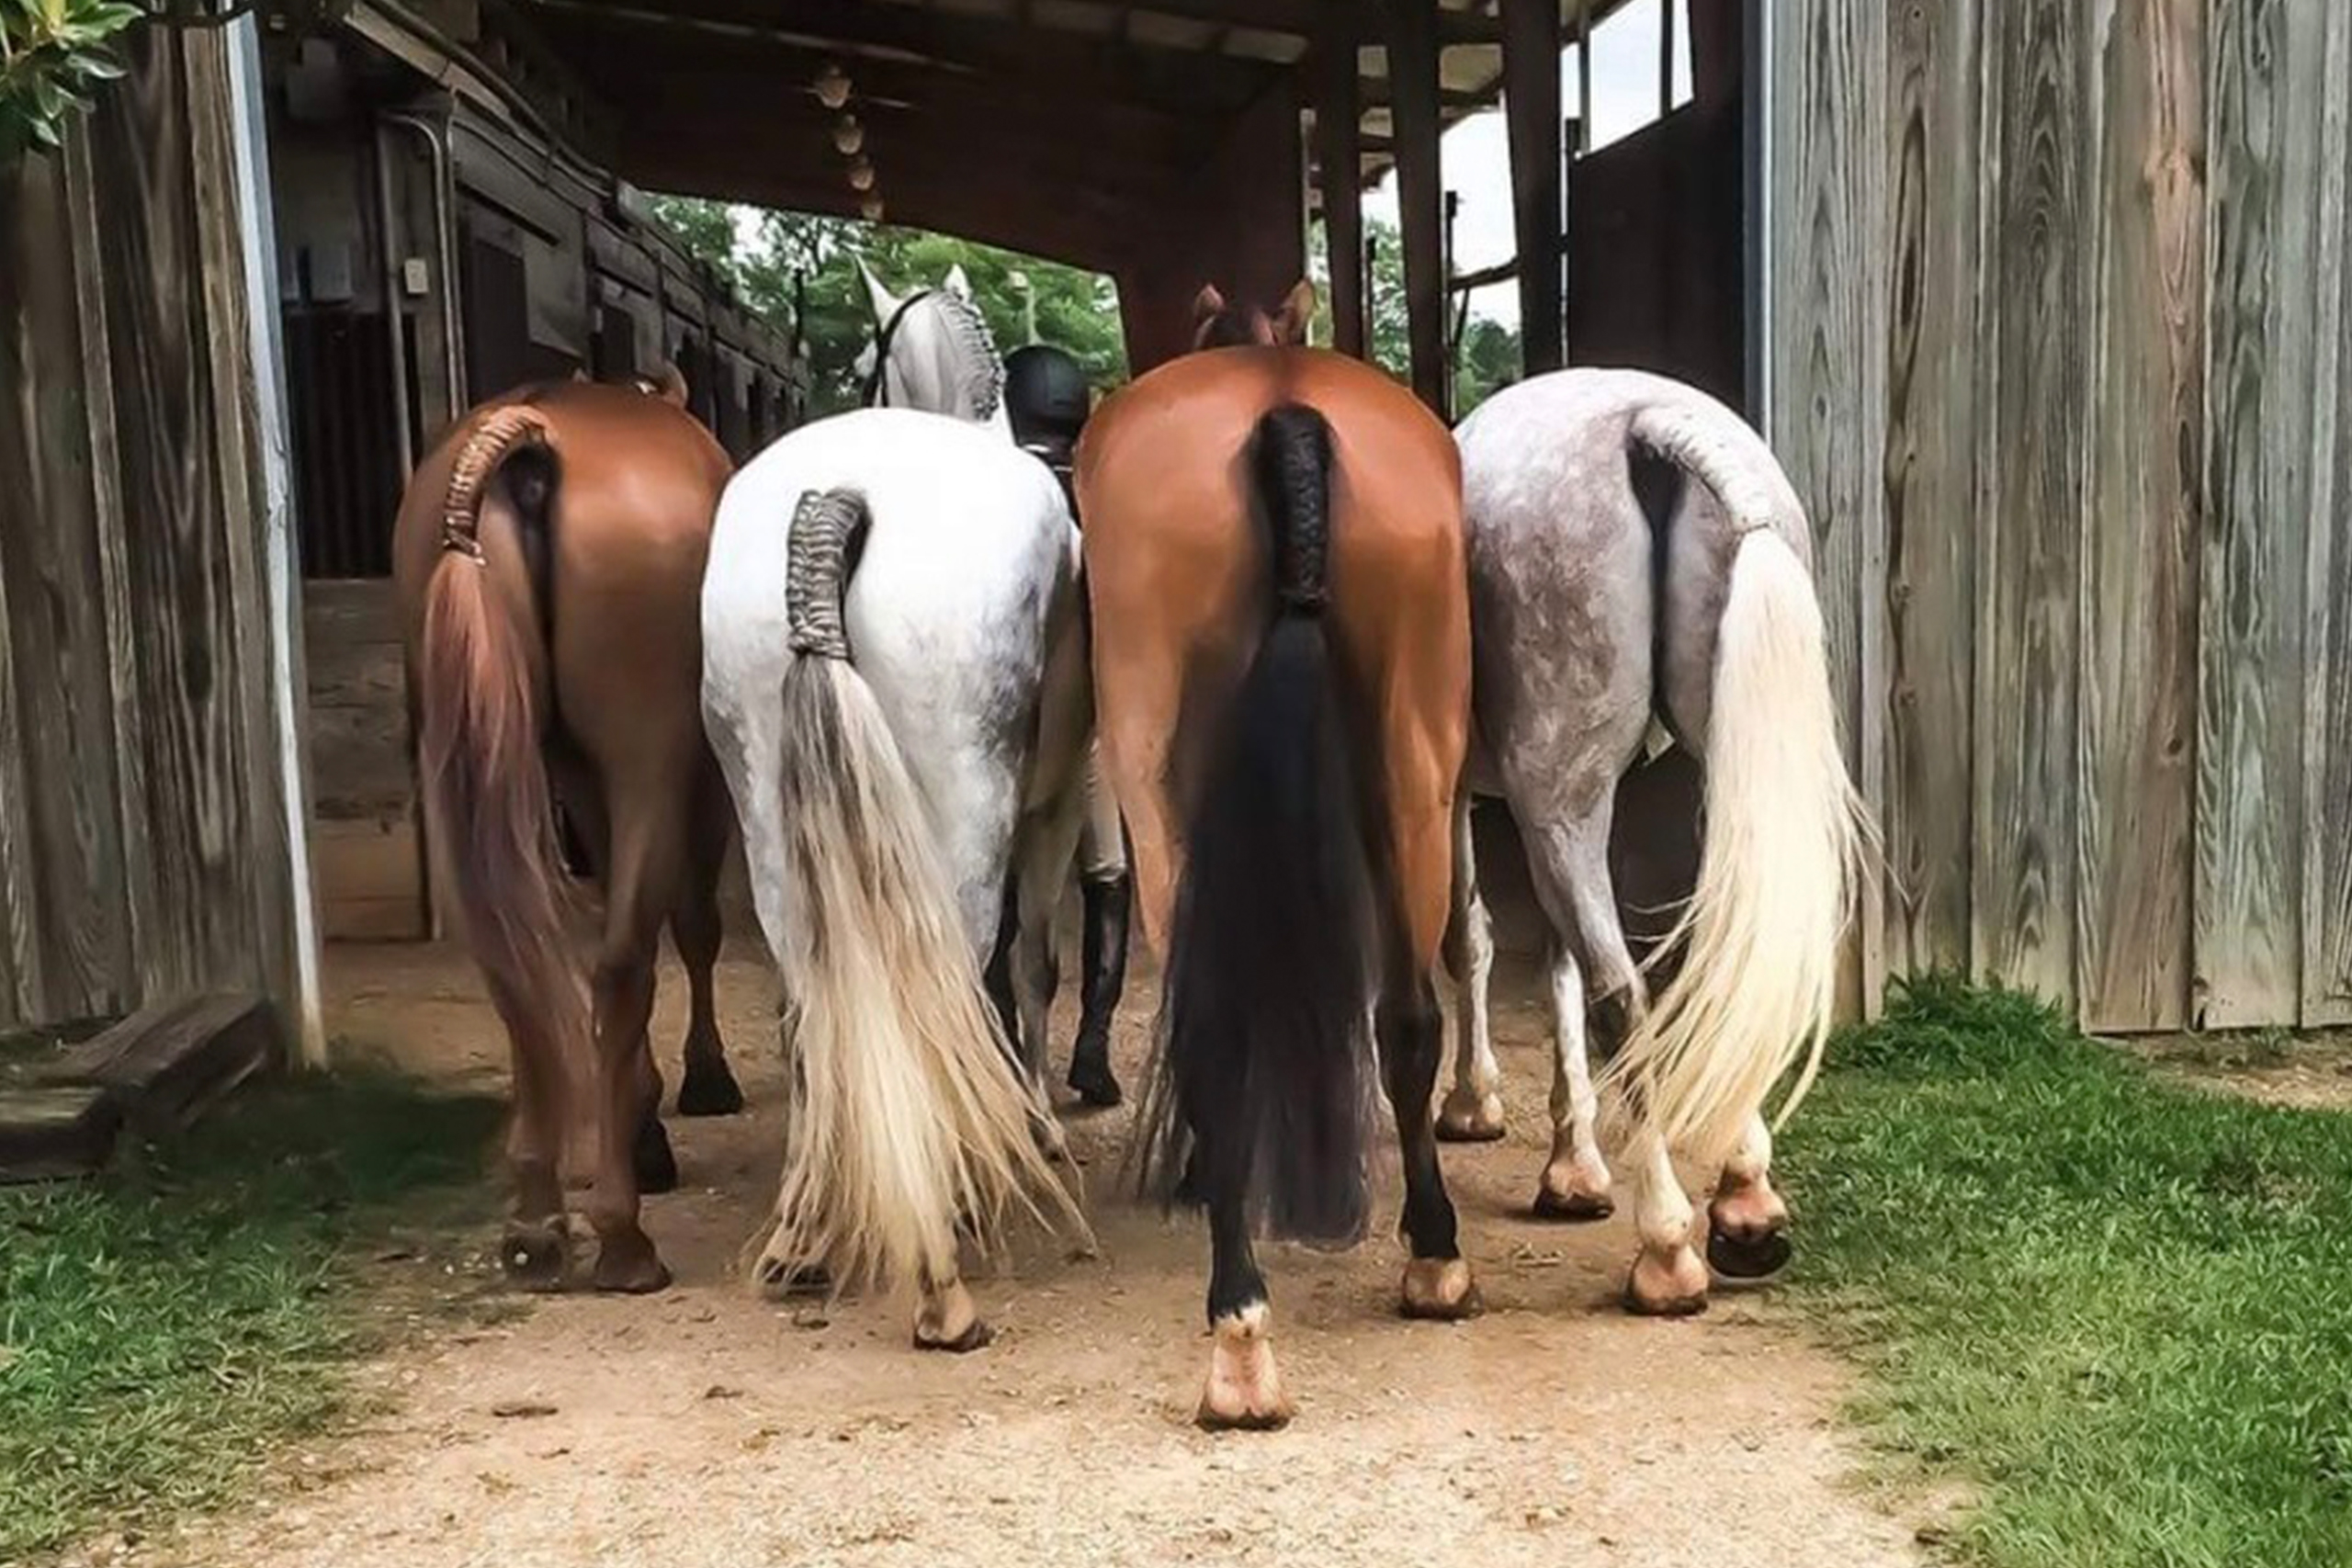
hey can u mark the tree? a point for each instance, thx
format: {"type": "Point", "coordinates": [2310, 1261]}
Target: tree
{"type": "Point", "coordinates": [800, 271]}
{"type": "Point", "coordinates": [1487, 359]}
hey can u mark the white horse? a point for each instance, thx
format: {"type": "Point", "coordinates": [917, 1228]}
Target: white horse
{"type": "Point", "coordinates": [894, 679]}
{"type": "Point", "coordinates": [933, 350]}
{"type": "Point", "coordinates": [1590, 615]}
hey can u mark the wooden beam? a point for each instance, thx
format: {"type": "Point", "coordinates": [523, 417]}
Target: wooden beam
{"type": "Point", "coordinates": [1339, 177]}
{"type": "Point", "coordinates": [1413, 80]}
{"type": "Point", "coordinates": [1532, 103]}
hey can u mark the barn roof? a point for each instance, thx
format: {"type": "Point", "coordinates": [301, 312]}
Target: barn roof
{"type": "Point", "coordinates": [1067, 126]}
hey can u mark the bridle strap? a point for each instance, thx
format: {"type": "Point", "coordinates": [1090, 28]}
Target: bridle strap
{"type": "Point", "coordinates": [877, 392]}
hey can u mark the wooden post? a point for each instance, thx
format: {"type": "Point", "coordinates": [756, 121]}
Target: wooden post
{"type": "Point", "coordinates": [1532, 102]}
{"type": "Point", "coordinates": [1413, 100]}
{"type": "Point", "coordinates": [1338, 148]}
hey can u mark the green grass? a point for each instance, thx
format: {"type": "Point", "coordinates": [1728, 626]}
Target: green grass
{"type": "Point", "coordinates": [159, 1329]}
{"type": "Point", "coordinates": [2121, 1312]}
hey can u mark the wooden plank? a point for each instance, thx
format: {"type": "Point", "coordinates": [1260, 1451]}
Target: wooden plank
{"type": "Point", "coordinates": [1532, 103]}
{"type": "Point", "coordinates": [180, 641]}
{"type": "Point", "coordinates": [2270, 91]}
{"type": "Point", "coordinates": [168, 1063]}
{"type": "Point", "coordinates": [1413, 77]}
{"type": "Point", "coordinates": [1935, 252]}
{"type": "Point", "coordinates": [2021, 900]}
{"type": "Point", "coordinates": [1337, 138]}
{"type": "Point", "coordinates": [2327, 716]}
{"type": "Point", "coordinates": [1827, 355]}
{"type": "Point", "coordinates": [65, 792]}
{"type": "Point", "coordinates": [49, 1133]}
{"type": "Point", "coordinates": [2140, 517]}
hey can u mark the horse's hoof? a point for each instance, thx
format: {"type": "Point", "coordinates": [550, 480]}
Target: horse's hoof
{"type": "Point", "coordinates": [1441, 1290]}
{"type": "Point", "coordinates": [1741, 1260]}
{"type": "Point", "coordinates": [628, 1264]}
{"type": "Point", "coordinates": [1468, 1117]}
{"type": "Point", "coordinates": [949, 1320]}
{"type": "Point", "coordinates": [1671, 1286]}
{"type": "Point", "coordinates": [1244, 1392]}
{"type": "Point", "coordinates": [1574, 1190]}
{"type": "Point", "coordinates": [657, 1167]}
{"type": "Point", "coordinates": [709, 1091]}
{"type": "Point", "coordinates": [1091, 1079]}
{"type": "Point", "coordinates": [534, 1257]}
{"type": "Point", "coordinates": [779, 1280]}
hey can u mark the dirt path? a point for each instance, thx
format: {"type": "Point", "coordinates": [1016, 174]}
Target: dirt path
{"type": "Point", "coordinates": [706, 1429]}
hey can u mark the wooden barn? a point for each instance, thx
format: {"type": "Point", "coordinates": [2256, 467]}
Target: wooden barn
{"type": "Point", "coordinates": [2043, 304]}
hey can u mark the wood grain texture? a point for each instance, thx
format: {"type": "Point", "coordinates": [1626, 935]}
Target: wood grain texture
{"type": "Point", "coordinates": [1828, 351]}
{"type": "Point", "coordinates": [2327, 711]}
{"type": "Point", "coordinates": [2268, 96]}
{"type": "Point", "coordinates": [2032, 381]}
{"type": "Point", "coordinates": [2141, 516]}
{"type": "Point", "coordinates": [1933, 250]}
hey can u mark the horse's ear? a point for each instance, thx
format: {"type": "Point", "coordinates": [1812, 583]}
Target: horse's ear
{"type": "Point", "coordinates": [1298, 309]}
{"type": "Point", "coordinates": [1207, 305]}
{"type": "Point", "coordinates": [579, 373]}
{"type": "Point", "coordinates": [957, 283]}
{"type": "Point", "coordinates": [671, 384]}
{"type": "Point", "coordinates": [885, 307]}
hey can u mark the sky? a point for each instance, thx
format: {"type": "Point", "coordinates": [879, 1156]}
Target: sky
{"type": "Point", "coordinates": [1474, 156]}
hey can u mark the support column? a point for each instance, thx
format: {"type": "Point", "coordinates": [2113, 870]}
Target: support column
{"type": "Point", "coordinates": [1532, 103]}
{"type": "Point", "coordinates": [1413, 100]}
{"type": "Point", "coordinates": [1338, 120]}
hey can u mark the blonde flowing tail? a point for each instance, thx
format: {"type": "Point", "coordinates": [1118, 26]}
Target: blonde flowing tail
{"type": "Point", "coordinates": [908, 1118]}
{"type": "Point", "coordinates": [1780, 863]}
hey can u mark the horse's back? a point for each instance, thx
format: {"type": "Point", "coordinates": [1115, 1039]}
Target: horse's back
{"type": "Point", "coordinates": [1179, 569]}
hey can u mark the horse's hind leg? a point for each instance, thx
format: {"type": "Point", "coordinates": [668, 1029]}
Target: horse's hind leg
{"type": "Point", "coordinates": [1569, 863]}
{"type": "Point", "coordinates": [1245, 1386]}
{"type": "Point", "coordinates": [1473, 1112]}
{"type": "Point", "coordinates": [1048, 839]}
{"type": "Point", "coordinates": [1747, 1223]}
{"type": "Point", "coordinates": [708, 1087]}
{"type": "Point", "coordinates": [534, 1247]}
{"type": "Point", "coordinates": [645, 855]}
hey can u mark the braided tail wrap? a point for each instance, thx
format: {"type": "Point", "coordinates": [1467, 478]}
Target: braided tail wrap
{"type": "Point", "coordinates": [908, 1116]}
{"type": "Point", "coordinates": [480, 711]}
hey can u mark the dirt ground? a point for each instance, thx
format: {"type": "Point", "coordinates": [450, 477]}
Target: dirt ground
{"type": "Point", "coordinates": [708, 1428]}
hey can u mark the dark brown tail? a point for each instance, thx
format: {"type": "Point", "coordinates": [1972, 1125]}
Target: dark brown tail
{"type": "Point", "coordinates": [480, 705]}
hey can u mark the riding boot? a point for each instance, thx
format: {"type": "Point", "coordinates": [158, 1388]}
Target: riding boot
{"type": "Point", "coordinates": [1105, 953]}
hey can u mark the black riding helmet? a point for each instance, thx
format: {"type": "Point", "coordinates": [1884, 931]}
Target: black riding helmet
{"type": "Point", "coordinates": [1045, 394]}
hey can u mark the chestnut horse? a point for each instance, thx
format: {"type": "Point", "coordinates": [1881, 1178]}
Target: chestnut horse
{"type": "Point", "coordinates": [547, 560]}
{"type": "Point", "coordinates": [1281, 660]}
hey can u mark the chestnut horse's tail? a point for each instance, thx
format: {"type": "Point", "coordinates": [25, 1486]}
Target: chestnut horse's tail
{"type": "Point", "coordinates": [1265, 1061]}
{"type": "Point", "coordinates": [479, 677]}
{"type": "Point", "coordinates": [1786, 838]}
{"type": "Point", "coordinates": [908, 1115]}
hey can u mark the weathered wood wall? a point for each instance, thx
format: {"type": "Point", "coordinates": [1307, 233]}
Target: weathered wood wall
{"type": "Point", "coordinates": [142, 825]}
{"type": "Point", "coordinates": [2055, 324]}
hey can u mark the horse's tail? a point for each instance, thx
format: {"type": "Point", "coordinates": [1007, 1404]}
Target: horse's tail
{"type": "Point", "coordinates": [480, 674]}
{"type": "Point", "coordinates": [908, 1116]}
{"type": "Point", "coordinates": [1268, 985]}
{"type": "Point", "coordinates": [1785, 836]}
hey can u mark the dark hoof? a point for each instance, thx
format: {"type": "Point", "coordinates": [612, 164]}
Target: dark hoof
{"type": "Point", "coordinates": [656, 1168]}
{"type": "Point", "coordinates": [709, 1091]}
{"type": "Point", "coordinates": [976, 1335]}
{"type": "Point", "coordinates": [629, 1266]}
{"type": "Point", "coordinates": [1091, 1078]}
{"type": "Point", "coordinates": [534, 1257]}
{"type": "Point", "coordinates": [1579, 1208]}
{"type": "Point", "coordinates": [1749, 1260]}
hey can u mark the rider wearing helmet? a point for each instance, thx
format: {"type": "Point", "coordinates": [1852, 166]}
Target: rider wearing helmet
{"type": "Point", "coordinates": [1047, 398]}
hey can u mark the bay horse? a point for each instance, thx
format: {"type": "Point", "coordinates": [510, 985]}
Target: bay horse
{"type": "Point", "coordinates": [1636, 553]}
{"type": "Point", "coordinates": [1282, 662]}
{"type": "Point", "coordinates": [933, 350]}
{"type": "Point", "coordinates": [895, 684]}
{"type": "Point", "coordinates": [547, 560]}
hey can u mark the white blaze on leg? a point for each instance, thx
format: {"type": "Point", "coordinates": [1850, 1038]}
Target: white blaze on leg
{"type": "Point", "coordinates": [1669, 1279]}
{"type": "Point", "coordinates": [1473, 1106]}
{"type": "Point", "coordinates": [1576, 1180]}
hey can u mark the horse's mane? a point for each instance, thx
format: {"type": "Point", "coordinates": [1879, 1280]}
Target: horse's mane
{"type": "Point", "coordinates": [984, 377]}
